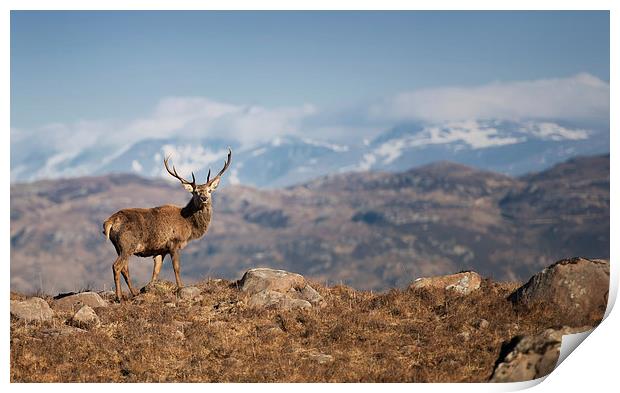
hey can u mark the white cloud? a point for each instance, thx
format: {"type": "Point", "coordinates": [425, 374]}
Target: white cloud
{"type": "Point", "coordinates": [580, 97]}
{"type": "Point", "coordinates": [189, 117]}
{"type": "Point", "coordinates": [203, 117]}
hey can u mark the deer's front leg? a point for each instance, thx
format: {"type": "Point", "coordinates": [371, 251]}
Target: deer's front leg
{"type": "Point", "coordinates": [176, 264]}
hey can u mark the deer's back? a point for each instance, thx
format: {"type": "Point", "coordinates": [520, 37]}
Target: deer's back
{"type": "Point", "coordinates": [148, 232]}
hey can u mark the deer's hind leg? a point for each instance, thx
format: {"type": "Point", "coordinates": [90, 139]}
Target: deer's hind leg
{"type": "Point", "coordinates": [117, 268]}
{"type": "Point", "coordinates": [125, 272]}
{"type": "Point", "coordinates": [158, 260]}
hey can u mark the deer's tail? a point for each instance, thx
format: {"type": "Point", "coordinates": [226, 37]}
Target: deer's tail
{"type": "Point", "coordinates": [107, 225]}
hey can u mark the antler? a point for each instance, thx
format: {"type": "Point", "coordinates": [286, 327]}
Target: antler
{"type": "Point", "coordinates": [226, 165]}
{"type": "Point", "coordinates": [174, 173]}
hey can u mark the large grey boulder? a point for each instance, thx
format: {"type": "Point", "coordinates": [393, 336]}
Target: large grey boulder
{"type": "Point", "coordinates": [463, 283]}
{"type": "Point", "coordinates": [74, 302]}
{"type": "Point", "coordinates": [269, 298]}
{"type": "Point", "coordinates": [278, 288]}
{"type": "Point", "coordinates": [577, 287]}
{"type": "Point", "coordinates": [526, 358]}
{"type": "Point", "coordinates": [31, 310]}
{"type": "Point", "coordinates": [260, 279]}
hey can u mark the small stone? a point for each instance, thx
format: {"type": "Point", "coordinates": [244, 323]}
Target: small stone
{"type": "Point", "coordinates": [85, 318]}
{"type": "Point", "coordinates": [317, 356]}
{"type": "Point", "coordinates": [62, 331]}
{"type": "Point", "coordinates": [311, 295]}
{"type": "Point", "coordinates": [410, 349]}
{"type": "Point", "coordinates": [217, 324]}
{"type": "Point", "coordinates": [464, 335]}
{"type": "Point", "coordinates": [107, 295]}
{"type": "Point", "coordinates": [31, 310]}
{"type": "Point", "coordinates": [482, 324]}
{"type": "Point", "coordinates": [159, 288]}
{"type": "Point", "coordinates": [189, 293]}
{"type": "Point", "coordinates": [322, 358]}
{"type": "Point", "coordinates": [463, 283]}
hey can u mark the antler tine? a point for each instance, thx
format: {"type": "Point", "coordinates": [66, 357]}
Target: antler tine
{"type": "Point", "coordinates": [226, 165]}
{"type": "Point", "coordinates": [174, 173]}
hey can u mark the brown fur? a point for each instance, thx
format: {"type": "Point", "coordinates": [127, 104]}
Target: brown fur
{"type": "Point", "coordinates": [160, 231]}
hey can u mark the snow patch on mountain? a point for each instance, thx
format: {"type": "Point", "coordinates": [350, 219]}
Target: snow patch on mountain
{"type": "Point", "coordinates": [234, 174]}
{"type": "Point", "coordinates": [462, 135]}
{"type": "Point", "coordinates": [331, 146]}
{"type": "Point", "coordinates": [554, 132]}
{"type": "Point", "coordinates": [136, 166]}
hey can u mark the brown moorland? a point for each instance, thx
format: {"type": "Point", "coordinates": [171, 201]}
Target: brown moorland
{"type": "Point", "coordinates": [410, 335]}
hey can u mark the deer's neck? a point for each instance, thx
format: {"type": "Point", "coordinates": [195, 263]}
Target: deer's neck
{"type": "Point", "coordinates": [198, 217]}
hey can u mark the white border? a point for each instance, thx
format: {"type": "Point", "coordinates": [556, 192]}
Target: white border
{"type": "Point", "coordinates": [591, 367]}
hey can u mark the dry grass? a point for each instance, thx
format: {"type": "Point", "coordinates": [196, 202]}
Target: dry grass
{"type": "Point", "coordinates": [398, 336]}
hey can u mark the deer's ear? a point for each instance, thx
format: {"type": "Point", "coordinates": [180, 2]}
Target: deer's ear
{"type": "Point", "coordinates": [214, 184]}
{"type": "Point", "coordinates": [188, 187]}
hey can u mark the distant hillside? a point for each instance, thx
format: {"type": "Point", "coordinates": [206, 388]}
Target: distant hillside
{"type": "Point", "coordinates": [370, 230]}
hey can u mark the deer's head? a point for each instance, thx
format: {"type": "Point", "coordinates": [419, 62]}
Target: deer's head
{"type": "Point", "coordinates": [201, 193]}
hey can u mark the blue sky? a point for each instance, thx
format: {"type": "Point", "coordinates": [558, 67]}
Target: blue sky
{"type": "Point", "coordinates": [68, 67]}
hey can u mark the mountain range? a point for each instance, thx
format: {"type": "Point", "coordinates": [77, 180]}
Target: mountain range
{"type": "Point", "coordinates": [507, 147]}
{"type": "Point", "coordinates": [368, 229]}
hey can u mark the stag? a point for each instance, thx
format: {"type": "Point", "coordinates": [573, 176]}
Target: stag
{"type": "Point", "coordinates": [160, 231]}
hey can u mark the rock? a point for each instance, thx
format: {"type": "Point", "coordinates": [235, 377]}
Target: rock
{"type": "Point", "coordinates": [410, 350]}
{"type": "Point", "coordinates": [159, 288]}
{"type": "Point", "coordinates": [31, 310]}
{"type": "Point", "coordinates": [218, 324]}
{"type": "Point", "coordinates": [62, 331]}
{"type": "Point", "coordinates": [260, 279]}
{"type": "Point", "coordinates": [269, 298]}
{"type": "Point", "coordinates": [227, 306]}
{"type": "Point", "coordinates": [278, 288]}
{"type": "Point", "coordinates": [578, 287]}
{"type": "Point", "coordinates": [315, 355]}
{"type": "Point", "coordinates": [85, 318]}
{"type": "Point", "coordinates": [76, 301]}
{"type": "Point", "coordinates": [526, 358]}
{"type": "Point", "coordinates": [482, 324]}
{"type": "Point", "coordinates": [107, 295]}
{"type": "Point", "coordinates": [463, 283]}
{"type": "Point", "coordinates": [464, 335]}
{"type": "Point", "coordinates": [322, 358]}
{"type": "Point", "coordinates": [311, 295]}
{"type": "Point", "coordinates": [189, 293]}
